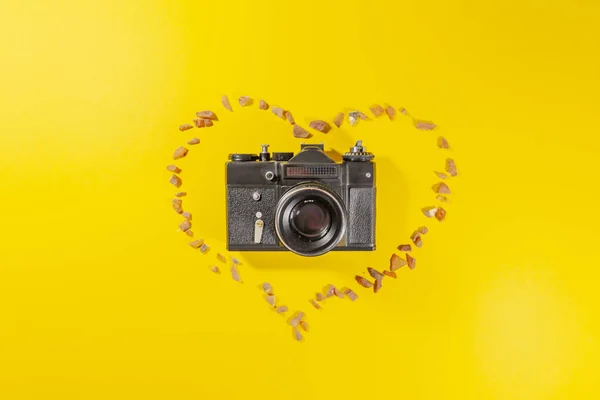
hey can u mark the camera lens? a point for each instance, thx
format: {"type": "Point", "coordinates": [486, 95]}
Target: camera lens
{"type": "Point", "coordinates": [310, 219]}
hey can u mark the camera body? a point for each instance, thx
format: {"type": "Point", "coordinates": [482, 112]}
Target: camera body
{"type": "Point", "coordinates": [305, 203]}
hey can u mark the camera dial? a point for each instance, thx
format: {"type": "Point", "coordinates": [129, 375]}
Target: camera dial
{"type": "Point", "coordinates": [282, 156]}
{"type": "Point", "coordinates": [243, 157]}
{"type": "Point", "coordinates": [358, 153]}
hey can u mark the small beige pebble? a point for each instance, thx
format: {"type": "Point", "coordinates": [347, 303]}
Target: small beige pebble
{"type": "Point", "coordinates": [207, 115]}
{"type": "Point", "coordinates": [429, 211]}
{"type": "Point", "coordinates": [396, 262]}
{"type": "Point", "coordinates": [300, 132]}
{"type": "Point", "coordinates": [173, 168]}
{"type": "Point", "coordinates": [185, 225]}
{"type": "Point", "coordinates": [187, 215]}
{"type": "Point", "coordinates": [391, 112]}
{"type": "Point", "coordinates": [315, 304]}
{"type": "Point", "coordinates": [320, 126]}
{"type": "Point", "coordinates": [329, 291]}
{"type": "Point", "coordinates": [290, 118]}
{"type": "Point", "coordinates": [267, 288]}
{"type": "Point", "coordinates": [440, 215]}
{"type": "Point", "coordinates": [443, 143]}
{"type": "Point", "coordinates": [338, 120]}
{"type": "Point", "coordinates": [180, 152]}
{"type": "Point", "coordinates": [441, 188]}
{"type": "Point", "coordinates": [215, 269]}
{"type": "Point", "coordinates": [297, 335]}
{"type": "Point", "coordinates": [351, 295]}
{"type": "Point", "coordinates": [263, 105]}
{"type": "Point", "coordinates": [245, 101]}
{"type": "Point", "coordinates": [176, 181]}
{"type": "Point", "coordinates": [226, 103]}
{"type": "Point", "coordinates": [391, 274]}
{"type": "Point", "coordinates": [296, 319]}
{"type": "Point", "coordinates": [282, 309]}
{"type": "Point", "coordinates": [377, 286]}
{"type": "Point", "coordinates": [278, 111]}
{"type": "Point", "coordinates": [377, 110]}
{"type": "Point", "coordinates": [304, 325]}
{"type": "Point", "coordinates": [180, 194]}
{"type": "Point", "coordinates": [196, 243]}
{"type": "Point", "coordinates": [185, 127]}
{"type": "Point", "coordinates": [353, 118]}
{"type": "Point", "coordinates": [451, 167]}
{"type": "Point", "coordinates": [374, 273]}
{"type": "Point", "coordinates": [364, 282]}
{"type": "Point", "coordinates": [424, 125]}
{"type": "Point", "coordinates": [416, 238]}
{"type": "Point", "coordinates": [235, 273]}
{"type": "Point", "coordinates": [418, 241]}
{"type": "Point", "coordinates": [193, 141]}
{"type": "Point", "coordinates": [411, 261]}
{"type": "Point", "coordinates": [178, 206]}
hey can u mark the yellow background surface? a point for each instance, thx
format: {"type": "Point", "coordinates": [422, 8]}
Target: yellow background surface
{"type": "Point", "coordinates": [101, 298]}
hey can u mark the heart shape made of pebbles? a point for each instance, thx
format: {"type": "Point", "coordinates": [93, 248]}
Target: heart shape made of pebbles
{"type": "Point", "coordinates": [206, 119]}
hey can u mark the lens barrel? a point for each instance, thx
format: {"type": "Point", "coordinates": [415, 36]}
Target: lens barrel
{"type": "Point", "coordinates": [310, 219]}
